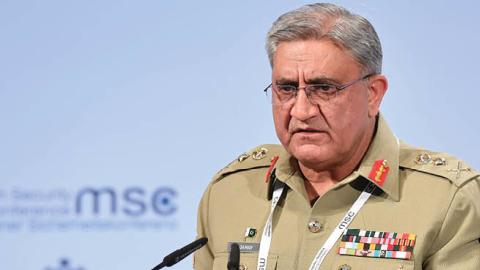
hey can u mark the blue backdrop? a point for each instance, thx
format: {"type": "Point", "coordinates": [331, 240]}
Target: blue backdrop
{"type": "Point", "coordinates": [115, 114]}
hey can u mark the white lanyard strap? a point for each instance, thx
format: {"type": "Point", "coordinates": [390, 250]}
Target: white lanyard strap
{"type": "Point", "coordinates": [332, 239]}
{"type": "Point", "coordinates": [267, 232]}
{"type": "Point", "coordinates": [342, 226]}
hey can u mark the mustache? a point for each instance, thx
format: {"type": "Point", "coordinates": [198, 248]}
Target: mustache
{"type": "Point", "coordinates": [294, 127]}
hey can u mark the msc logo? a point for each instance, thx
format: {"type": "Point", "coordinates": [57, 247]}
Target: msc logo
{"type": "Point", "coordinates": [346, 220]}
{"type": "Point", "coordinates": [262, 263]}
{"type": "Point", "coordinates": [132, 201]}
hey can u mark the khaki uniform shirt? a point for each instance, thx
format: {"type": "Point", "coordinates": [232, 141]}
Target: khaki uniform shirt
{"type": "Point", "coordinates": [429, 194]}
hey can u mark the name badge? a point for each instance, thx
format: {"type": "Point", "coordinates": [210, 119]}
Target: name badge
{"type": "Point", "coordinates": [245, 247]}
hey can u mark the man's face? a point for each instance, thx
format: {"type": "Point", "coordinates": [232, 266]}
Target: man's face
{"type": "Point", "coordinates": [328, 133]}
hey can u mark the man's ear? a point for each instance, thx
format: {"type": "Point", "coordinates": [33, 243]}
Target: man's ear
{"type": "Point", "coordinates": [377, 86]}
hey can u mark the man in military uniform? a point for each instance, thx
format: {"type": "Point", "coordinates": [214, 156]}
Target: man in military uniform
{"type": "Point", "coordinates": [341, 192]}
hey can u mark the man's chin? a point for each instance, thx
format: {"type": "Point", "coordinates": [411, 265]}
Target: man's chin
{"type": "Point", "coordinates": [310, 153]}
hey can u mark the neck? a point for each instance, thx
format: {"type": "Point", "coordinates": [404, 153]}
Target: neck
{"type": "Point", "coordinates": [319, 181]}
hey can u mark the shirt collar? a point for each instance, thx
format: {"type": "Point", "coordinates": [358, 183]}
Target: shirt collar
{"type": "Point", "coordinates": [385, 146]}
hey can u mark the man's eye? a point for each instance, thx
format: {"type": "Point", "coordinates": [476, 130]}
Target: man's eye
{"type": "Point", "coordinates": [322, 88]}
{"type": "Point", "coordinates": [287, 88]}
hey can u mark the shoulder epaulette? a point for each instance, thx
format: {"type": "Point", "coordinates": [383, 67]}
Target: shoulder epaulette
{"type": "Point", "coordinates": [435, 163]}
{"type": "Point", "coordinates": [260, 156]}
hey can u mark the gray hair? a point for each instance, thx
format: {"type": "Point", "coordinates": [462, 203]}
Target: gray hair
{"type": "Point", "coordinates": [351, 32]}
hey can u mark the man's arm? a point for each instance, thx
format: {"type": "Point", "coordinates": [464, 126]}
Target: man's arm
{"type": "Point", "coordinates": [457, 245]}
{"type": "Point", "coordinates": [203, 258]}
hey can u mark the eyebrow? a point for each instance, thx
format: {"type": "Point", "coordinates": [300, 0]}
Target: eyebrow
{"type": "Point", "coordinates": [321, 79]}
{"type": "Point", "coordinates": [286, 82]}
{"type": "Point", "coordinates": [315, 80]}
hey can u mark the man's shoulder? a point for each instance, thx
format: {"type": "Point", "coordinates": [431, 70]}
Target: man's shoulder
{"type": "Point", "coordinates": [436, 164]}
{"type": "Point", "coordinates": [256, 158]}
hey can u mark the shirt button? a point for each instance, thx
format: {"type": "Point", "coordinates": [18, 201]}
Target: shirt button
{"type": "Point", "coordinates": [314, 226]}
{"type": "Point", "coordinates": [242, 267]}
{"type": "Point", "coordinates": [345, 267]}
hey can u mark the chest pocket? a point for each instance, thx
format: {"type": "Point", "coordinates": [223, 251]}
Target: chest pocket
{"type": "Point", "coordinates": [363, 263]}
{"type": "Point", "coordinates": [248, 261]}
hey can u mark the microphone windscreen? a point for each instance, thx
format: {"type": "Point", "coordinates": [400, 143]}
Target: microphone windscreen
{"type": "Point", "coordinates": [234, 258]}
{"type": "Point", "coordinates": [180, 254]}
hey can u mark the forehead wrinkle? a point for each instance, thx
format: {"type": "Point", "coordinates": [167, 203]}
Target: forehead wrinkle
{"type": "Point", "coordinates": [317, 68]}
{"type": "Point", "coordinates": [288, 73]}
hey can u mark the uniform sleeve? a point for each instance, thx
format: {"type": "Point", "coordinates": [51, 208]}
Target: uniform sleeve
{"type": "Point", "coordinates": [457, 244]}
{"type": "Point", "coordinates": [203, 258]}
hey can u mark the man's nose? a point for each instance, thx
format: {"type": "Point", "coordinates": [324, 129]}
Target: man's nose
{"type": "Point", "coordinates": [303, 109]}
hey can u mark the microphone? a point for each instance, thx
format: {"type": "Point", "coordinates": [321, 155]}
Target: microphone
{"type": "Point", "coordinates": [234, 258]}
{"type": "Point", "coordinates": [181, 253]}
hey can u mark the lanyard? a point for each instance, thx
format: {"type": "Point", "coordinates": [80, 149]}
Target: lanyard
{"type": "Point", "coordinates": [332, 239]}
{"type": "Point", "coordinates": [267, 231]}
